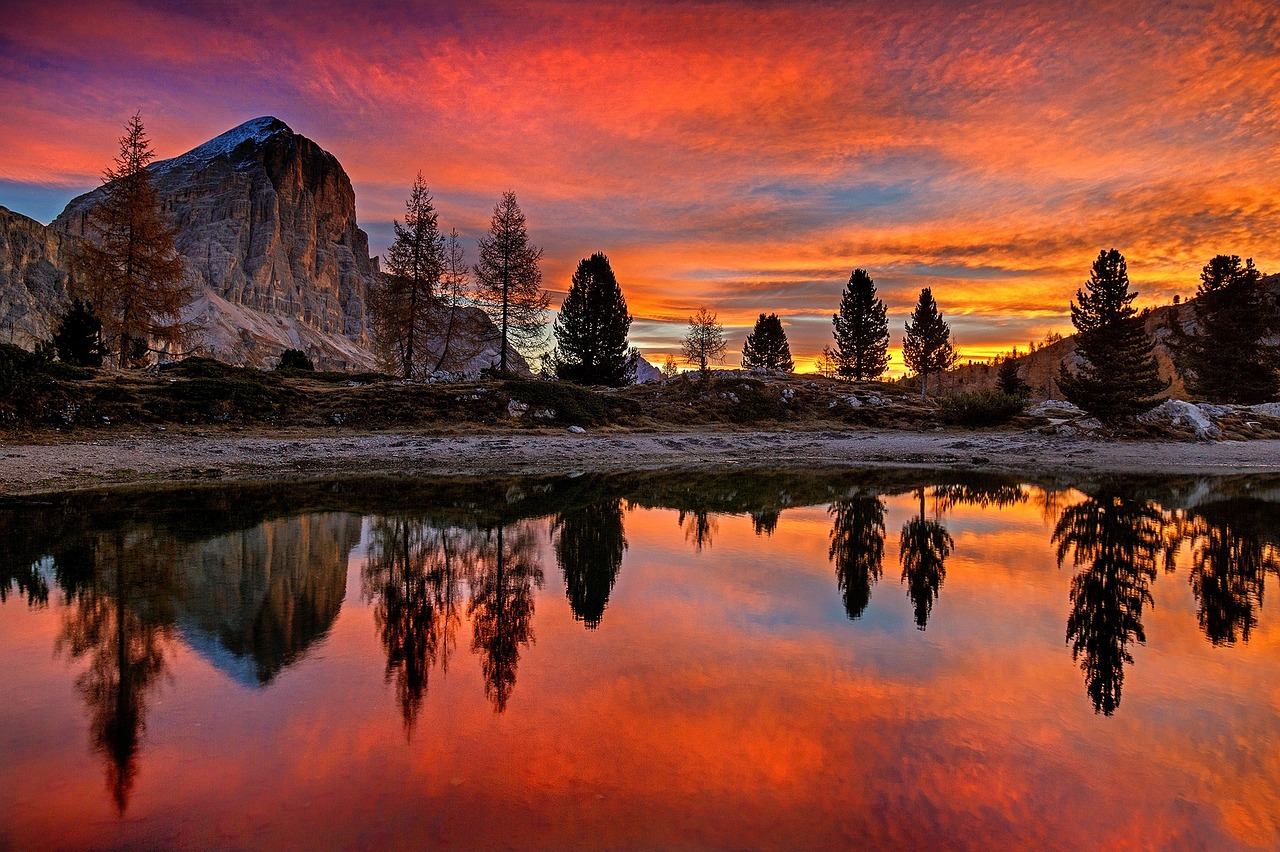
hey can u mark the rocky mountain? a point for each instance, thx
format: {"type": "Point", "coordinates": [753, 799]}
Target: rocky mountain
{"type": "Point", "coordinates": [266, 220]}
{"type": "Point", "coordinates": [33, 278]}
{"type": "Point", "coordinates": [1039, 369]}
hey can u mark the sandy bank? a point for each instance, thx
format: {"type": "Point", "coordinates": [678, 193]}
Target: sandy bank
{"type": "Point", "coordinates": [26, 469]}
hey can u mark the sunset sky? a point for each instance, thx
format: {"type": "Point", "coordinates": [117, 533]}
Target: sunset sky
{"type": "Point", "coordinates": [742, 155]}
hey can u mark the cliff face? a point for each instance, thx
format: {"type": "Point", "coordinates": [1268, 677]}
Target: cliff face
{"type": "Point", "coordinates": [33, 278]}
{"type": "Point", "coordinates": [266, 221]}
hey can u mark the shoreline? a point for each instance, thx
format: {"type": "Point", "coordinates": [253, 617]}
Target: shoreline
{"type": "Point", "coordinates": [74, 465]}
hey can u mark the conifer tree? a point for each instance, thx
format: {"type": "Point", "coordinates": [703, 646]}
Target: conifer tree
{"type": "Point", "coordinates": [1227, 356]}
{"type": "Point", "coordinates": [766, 347]}
{"type": "Point", "coordinates": [401, 303]}
{"type": "Point", "coordinates": [927, 346]}
{"type": "Point", "coordinates": [509, 280]}
{"type": "Point", "coordinates": [704, 342]}
{"type": "Point", "coordinates": [78, 338]}
{"type": "Point", "coordinates": [591, 330]}
{"type": "Point", "coordinates": [128, 266]}
{"type": "Point", "coordinates": [861, 330]}
{"type": "Point", "coordinates": [1119, 377]}
{"type": "Point", "coordinates": [1011, 383]}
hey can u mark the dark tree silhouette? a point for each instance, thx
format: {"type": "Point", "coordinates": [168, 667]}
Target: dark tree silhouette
{"type": "Point", "coordinates": [927, 347]}
{"type": "Point", "coordinates": [591, 330]}
{"type": "Point", "coordinates": [128, 267]}
{"type": "Point", "coordinates": [1230, 558]}
{"type": "Point", "coordinates": [861, 330]}
{"type": "Point", "coordinates": [1229, 356]}
{"type": "Point", "coordinates": [766, 347]}
{"type": "Point", "coordinates": [765, 520]}
{"type": "Point", "coordinates": [1010, 382]}
{"type": "Point", "coordinates": [509, 280]}
{"type": "Point", "coordinates": [857, 548]}
{"type": "Point", "coordinates": [414, 575]}
{"type": "Point", "coordinates": [501, 607]}
{"type": "Point", "coordinates": [1118, 377]}
{"type": "Point", "coordinates": [1117, 543]}
{"type": "Point", "coordinates": [589, 545]}
{"type": "Point", "coordinates": [78, 337]}
{"type": "Point", "coordinates": [981, 494]}
{"type": "Point", "coordinates": [923, 551]}
{"type": "Point", "coordinates": [400, 305]}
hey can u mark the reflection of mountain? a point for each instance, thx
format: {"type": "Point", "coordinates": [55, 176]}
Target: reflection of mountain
{"type": "Point", "coordinates": [1117, 544]}
{"type": "Point", "coordinates": [253, 601]}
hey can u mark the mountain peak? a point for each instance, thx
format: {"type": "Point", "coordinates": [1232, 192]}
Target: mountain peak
{"type": "Point", "coordinates": [258, 130]}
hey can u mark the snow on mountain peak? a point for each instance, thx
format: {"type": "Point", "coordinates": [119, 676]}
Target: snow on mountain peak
{"type": "Point", "coordinates": [258, 129]}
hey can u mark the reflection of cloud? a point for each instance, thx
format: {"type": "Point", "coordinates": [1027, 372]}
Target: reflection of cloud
{"type": "Point", "coordinates": [992, 149]}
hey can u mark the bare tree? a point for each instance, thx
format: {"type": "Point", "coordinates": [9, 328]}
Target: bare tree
{"type": "Point", "coordinates": [509, 279]}
{"type": "Point", "coordinates": [705, 341]}
{"type": "Point", "coordinates": [128, 267]}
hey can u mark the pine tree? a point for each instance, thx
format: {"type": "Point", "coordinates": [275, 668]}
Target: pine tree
{"type": "Point", "coordinates": [78, 338]}
{"type": "Point", "coordinates": [1119, 377]}
{"type": "Point", "coordinates": [509, 280]}
{"type": "Point", "coordinates": [591, 330]}
{"type": "Point", "coordinates": [1227, 356]}
{"type": "Point", "coordinates": [1011, 383]}
{"type": "Point", "coordinates": [401, 303]}
{"type": "Point", "coordinates": [705, 341]}
{"type": "Point", "coordinates": [861, 330]}
{"type": "Point", "coordinates": [128, 267]}
{"type": "Point", "coordinates": [927, 346]}
{"type": "Point", "coordinates": [766, 347]}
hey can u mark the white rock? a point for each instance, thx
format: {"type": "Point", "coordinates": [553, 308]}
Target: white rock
{"type": "Point", "coordinates": [516, 408]}
{"type": "Point", "coordinates": [1267, 409]}
{"type": "Point", "coordinates": [1178, 412]}
{"type": "Point", "coordinates": [577, 430]}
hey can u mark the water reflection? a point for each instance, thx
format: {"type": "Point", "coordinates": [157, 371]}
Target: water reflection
{"type": "Point", "coordinates": [1116, 544]}
{"type": "Point", "coordinates": [857, 548]}
{"type": "Point", "coordinates": [924, 550]}
{"type": "Point", "coordinates": [252, 587]}
{"type": "Point", "coordinates": [589, 545]}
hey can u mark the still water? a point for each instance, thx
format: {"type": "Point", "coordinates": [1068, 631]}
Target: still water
{"type": "Point", "coordinates": [744, 659]}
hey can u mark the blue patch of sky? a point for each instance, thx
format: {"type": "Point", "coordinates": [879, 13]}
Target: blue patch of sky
{"type": "Point", "coordinates": [40, 201]}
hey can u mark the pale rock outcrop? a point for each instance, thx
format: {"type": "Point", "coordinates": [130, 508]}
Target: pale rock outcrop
{"type": "Point", "coordinates": [33, 278]}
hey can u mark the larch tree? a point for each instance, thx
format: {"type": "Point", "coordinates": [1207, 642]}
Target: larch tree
{"type": "Point", "coordinates": [591, 330]}
{"type": "Point", "coordinates": [704, 341]}
{"type": "Point", "coordinates": [509, 280]}
{"type": "Point", "coordinates": [1118, 376]}
{"type": "Point", "coordinates": [927, 347]}
{"type": "Point", "coordinates": [402, 303]}
{"type": "Point", "coordinates": [861, 330]}
{"type": "Point", "coordinates": [128, 267]}
{"type": "Point", "coordinates": [766, 347]}
{"type": "Point", "coordinates": [1228, 356]}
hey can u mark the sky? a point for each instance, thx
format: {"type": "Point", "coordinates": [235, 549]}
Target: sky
{"type": "Point", "coordinates": [746, 156]}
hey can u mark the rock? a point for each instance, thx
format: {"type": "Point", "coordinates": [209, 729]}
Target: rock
{"type": "Point", "coordinates": [1180, 413]}
{"type": "Point", "coordinates": [1267, 409]}
{"type": "Point", "coordinates": [1055, 408]}
{"type": "Point", "coordinates": [515, 408]}
{"type": "Point", "coordinates": [646, 372]}
{"type": "Point", "coordinates": [577, 430]}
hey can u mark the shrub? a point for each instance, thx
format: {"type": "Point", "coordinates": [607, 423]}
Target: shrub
{"type": "Point", "coordinates": [295, 359]}
{"type": "Point", "coordinates": [981, 408]}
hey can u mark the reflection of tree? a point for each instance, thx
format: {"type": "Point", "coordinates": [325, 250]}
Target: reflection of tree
{"type": "Point", "coordinates": [765, 521]}
{"type": "Point", "coordinates": [501, 607]}
{"type": "Point", "coordinates": [947, 497]}
{"type": "Point", "coordinates": [1117, 544]}
{"type": "Point", "coordinates": [123, 622]}
{"type": "Point", "coordinates": [924, 551]}
{"type": "Point", "coordinates": [589, 547]}
{"type": "Point", "coordinates": [700, 530]}
{"type": "Point", "coordinates": [414, 576]}
{"type": "Point", "coordinates": [1230, 559]}
{"type": "Point", "coordinates": [857, 548]}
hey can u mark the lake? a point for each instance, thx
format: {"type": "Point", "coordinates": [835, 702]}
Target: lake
{"type": "Point", "coordinates": [747, 659]}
